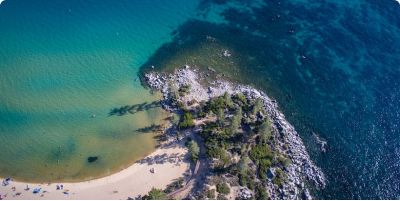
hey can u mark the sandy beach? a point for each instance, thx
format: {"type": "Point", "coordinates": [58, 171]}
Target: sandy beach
{"type": "Point", "coordinates": [170, 162]}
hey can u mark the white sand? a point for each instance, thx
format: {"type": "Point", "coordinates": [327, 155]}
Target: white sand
{"type": "Point", "coordinates": [131, 182]}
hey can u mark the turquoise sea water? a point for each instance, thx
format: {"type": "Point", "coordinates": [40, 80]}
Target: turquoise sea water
{"type": "Point", "coordinates": [333, 66]}
{"type": "Point", "coordinates": [63, 61]}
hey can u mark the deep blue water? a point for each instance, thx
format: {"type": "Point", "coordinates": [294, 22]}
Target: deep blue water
{"type": "Point", "coordinates": [345, 88]}
{"type": "Point", "coordinates": [333, 66]}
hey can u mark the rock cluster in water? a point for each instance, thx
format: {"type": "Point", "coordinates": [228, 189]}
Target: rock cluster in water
{"type": "Point", "coordinates": [92, 159]}
{"type": "Point", "coordinates": [302, 166]}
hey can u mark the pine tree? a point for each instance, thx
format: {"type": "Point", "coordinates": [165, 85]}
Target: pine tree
{"type": "Point", "coordinates": [220, 117]}
{"type": "Point", "coordinates": [155, 194]}
{"type": "Point", "coordinates": [243, 165]}
{"type": "Point", "coordinates": [194, 150]}
{"type": "Point", "coordinates": [257, 106]}
{"type": "Point", "coordinates": [265, 129]}
{"type": "Point", "coordinates": [227, 98]}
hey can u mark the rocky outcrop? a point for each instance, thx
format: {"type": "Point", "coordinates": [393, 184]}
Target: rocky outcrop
{"type": "Point", "coordinates": [302, 166]}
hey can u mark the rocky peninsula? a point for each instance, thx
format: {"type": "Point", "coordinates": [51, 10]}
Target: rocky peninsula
{"type": "Point", "coordinates": [284, 149]}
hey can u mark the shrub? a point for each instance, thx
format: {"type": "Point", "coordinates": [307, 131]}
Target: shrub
{"type": "Point", "coordinates": [261, 193]}
{"type": "Point", "coordinates": [251, 184]}
{"type": "Point", "coordinates": [211, 193]}
{"type": "Point", "coordinates": [287, 162]}
{"type": "Point", "coordinates": [216, 152]}
{"type": "Point", "coordinates": [193, 101]}
{"type": "Point", "coordinates": [243, 181]}
{"type": "Point", "coordinates": [284, 161]}
{"type": "Point", "coordinates": [280, 175]}
{"type": "Point", "coordinates": [231, 107]}
{"type": "Point", "coordinates": [184, 89]}
{"type": "Point", "coordinates": [180, 104]}
{"type": "Point", "coordinates": [202, 114]}
{"type": "Point", "coordinates": [221, 197]}
{"type": "Point", "coordinates": [250, 133]}
{"type": "Point", "coordinates": [285, 146]}
{"type": "Point", "coordinates": [239, 99]}
{"type": "Point", "coordinates": [223, 188]}
{"type": "Point", "coordinates": [216, 104]}
{"type": "Point", "coordinates": [175, 118]}
{"type": "Point", "coordinates": [263, 154]}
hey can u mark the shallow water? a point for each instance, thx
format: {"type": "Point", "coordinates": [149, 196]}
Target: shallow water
{"type": "Point", "coordinates": [63, 61]}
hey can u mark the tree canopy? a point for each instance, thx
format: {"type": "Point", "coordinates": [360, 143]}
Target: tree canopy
{"type": "Point", "coordinates": [193, 150]}
{"type": "Point", "coordinates": [175, 118]}
{"type": "Point", "coordinates": [187, 121]}
{"type": "Point", "coordinates": [155, 194]}
{"type": "Point", "coordinates": [220, 117]}
{"type": "Point", "coordinates": [257, 105]}
{"type": "Point", "coordinates": [265, 130]}
{"type": "Point", "coordinates": [243, 165]}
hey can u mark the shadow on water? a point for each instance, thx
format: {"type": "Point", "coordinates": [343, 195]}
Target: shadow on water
{"type": "Point", "coordinates": [153, 128]}
{"type": "Point", "coordinates": [132, 109]}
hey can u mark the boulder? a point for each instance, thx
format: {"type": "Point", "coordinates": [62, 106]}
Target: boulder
{"type": "Point", "coordinates": [271, 173]}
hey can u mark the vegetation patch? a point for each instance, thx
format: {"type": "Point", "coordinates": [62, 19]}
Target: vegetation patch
{"type": "Point", "coordinates": [187, 121]}
{"type": "Point", "coordinates": [223, 188]}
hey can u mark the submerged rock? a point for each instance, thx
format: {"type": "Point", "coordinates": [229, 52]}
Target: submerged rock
{"type": "Point", "coordinates": [92, 159]}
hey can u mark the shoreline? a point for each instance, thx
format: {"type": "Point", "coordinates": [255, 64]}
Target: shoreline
{"type": "Point", "coordinates": [137, 179]}
{"type": "Point", "coordinates": [128, 183]}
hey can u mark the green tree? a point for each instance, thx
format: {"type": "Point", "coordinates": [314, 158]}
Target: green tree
{"type": "Point", "coordinates": [261, 193]}
{"type": "Point", "coordinates": [240, 99]}
{"type": "Point", "coordinates": [220, 117]}
{"type": "Point", "coordinates": [155, 194]}
{"type": "Point", "coordinates": [223, 188]}
{"type": "Point", "coordinates": [211, 193]}
{"type": "Point", "coordinates": [243, 149]}
{"type": "Point", "coordinates": [173, 91]}
{"type": "Point", "coordinates": [243, 165]}
{"type": "Point", "coordinates": [279, 177]}
{"type": "Point", "coordinates": [175, 119]}
{"type": "Point", "coordinates": [265, 130]}
{"type": "Point", "coordinates": [227, 98]}
{"type": "Point", "coordinates": [234, 124]}
{"type": "Point", "coordinates": [203, 104]}
{"type": "Point", "coordinates": [187, 121]}
{"type": "Point", "coordinates": [239, 112]}
{"type": "Point", "coordinates": [257, 106]}
{"type": "Point", "coordinates": [193, 150]}
{"type": "Point", "coordinates": [210, 113]}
